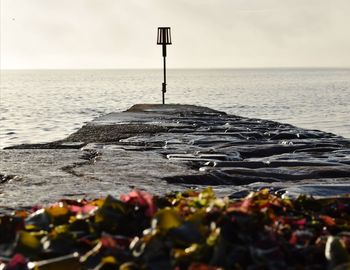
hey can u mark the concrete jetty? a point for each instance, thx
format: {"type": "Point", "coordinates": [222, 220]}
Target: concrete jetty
{"type": "Point", "coordinates": [162, 148]}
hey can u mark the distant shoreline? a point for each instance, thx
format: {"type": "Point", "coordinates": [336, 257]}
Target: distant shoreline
{"type": "Point", "coordinates": [181, 68]}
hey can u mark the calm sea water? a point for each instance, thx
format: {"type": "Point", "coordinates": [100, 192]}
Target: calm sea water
{"type": "Point", "coordinates": [41, 106]}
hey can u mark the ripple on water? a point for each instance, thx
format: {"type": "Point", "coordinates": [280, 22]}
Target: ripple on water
{"type": "Point", "coordinates": [47, 105]}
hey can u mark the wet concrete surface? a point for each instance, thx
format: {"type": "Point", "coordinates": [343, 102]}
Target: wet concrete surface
{"type": "Point", "coordinates": [162, 148]}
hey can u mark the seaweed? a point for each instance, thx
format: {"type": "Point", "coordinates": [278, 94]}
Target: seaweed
{"type": "Point", "coordinates": [189, 230]}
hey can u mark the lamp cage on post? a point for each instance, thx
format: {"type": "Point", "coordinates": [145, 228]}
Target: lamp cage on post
{"type": "Point", "coordinates": [164, 38]}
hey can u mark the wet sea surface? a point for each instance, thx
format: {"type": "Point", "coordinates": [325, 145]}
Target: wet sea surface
{"type": "Point", "coordinates": [46, 105]}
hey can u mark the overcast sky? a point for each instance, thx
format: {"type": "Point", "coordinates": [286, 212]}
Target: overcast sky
{"type": "Point", "coordinates": [206, 33]}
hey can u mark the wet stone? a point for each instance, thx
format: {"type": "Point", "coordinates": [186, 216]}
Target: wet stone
{"type": "Point", "coordinates": [161, 148]}
{"type": "Point", "coordinates": [6, 178]}
{"type": "Point", "coordinates": [316, 191]}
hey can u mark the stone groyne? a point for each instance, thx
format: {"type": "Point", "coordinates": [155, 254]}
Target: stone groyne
{"type": "Point", "coordinates": [161, 148]}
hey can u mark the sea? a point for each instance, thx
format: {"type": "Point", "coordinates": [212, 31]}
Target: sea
{"type": "Point", "coordinates": [39, 106]}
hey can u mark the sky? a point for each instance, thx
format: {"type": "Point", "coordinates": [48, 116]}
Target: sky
{"type": "Point", "coordinates": [75, 34]}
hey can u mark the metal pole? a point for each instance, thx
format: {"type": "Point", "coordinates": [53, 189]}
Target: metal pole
{"type": "Point", "coordinates": [164, 83]}
{"type": "Point", "coordinates": [164, 38]}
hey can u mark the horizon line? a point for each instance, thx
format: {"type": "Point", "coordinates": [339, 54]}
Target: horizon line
{"type": "Point", "coordinates": [183, 68]}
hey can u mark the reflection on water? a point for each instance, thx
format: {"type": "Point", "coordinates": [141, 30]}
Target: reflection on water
{"type": "Point", "coordinates": [40, 106]}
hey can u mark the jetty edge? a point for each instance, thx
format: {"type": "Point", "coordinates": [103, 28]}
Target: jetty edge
{"type": "Point", "coordinates": [162, 148]}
